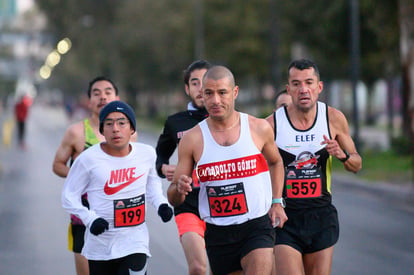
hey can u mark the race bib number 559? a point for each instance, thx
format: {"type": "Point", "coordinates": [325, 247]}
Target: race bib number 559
{"type": "Point", "coordinates": [303, 188]}
{"type": "Point", "coordinates": [227, 200]}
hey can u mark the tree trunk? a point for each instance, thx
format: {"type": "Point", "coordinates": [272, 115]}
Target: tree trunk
{"type": "Point", "coordinates": [406, 10]}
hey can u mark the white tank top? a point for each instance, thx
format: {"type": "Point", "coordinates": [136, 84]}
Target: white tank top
{"type": "Point", "coordinates": [235, 183]}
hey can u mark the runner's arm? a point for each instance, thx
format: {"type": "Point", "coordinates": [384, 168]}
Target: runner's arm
{"type": "Point", "coordinates": [166, 146]}
{"type": "Point", "coordinates": [64, 152]}
{"type": "Point", "coordinates": [277, 174]}
{"type": "Point", "coordinates": [342, 141]}
{"type": "Point", "coordinates": [73, 188]}
{"type": "Point", "coordinates": [181, 183]}
{"type": "Point", "coordinates": [154, 187]}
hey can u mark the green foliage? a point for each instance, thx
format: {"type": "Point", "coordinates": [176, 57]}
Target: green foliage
{"type": "Point", "coordinates": [402, 146]}
{"type": "Point", "coordinates": [386, 166]}
{"type": "Point", "coordinates": [146, 44]}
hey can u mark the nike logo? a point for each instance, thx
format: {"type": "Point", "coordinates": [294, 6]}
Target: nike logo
{"type": "Point", "coordinates": [112, 190]}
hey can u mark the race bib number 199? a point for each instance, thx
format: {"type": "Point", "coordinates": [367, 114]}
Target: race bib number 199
{"type": "Point", "coordinates": [227, 200]}
{"type": "Point", "coordinates": [129, 212]}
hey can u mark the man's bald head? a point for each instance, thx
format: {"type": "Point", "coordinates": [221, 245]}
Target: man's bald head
{"type": "Point", "coordinates": [219, 72]}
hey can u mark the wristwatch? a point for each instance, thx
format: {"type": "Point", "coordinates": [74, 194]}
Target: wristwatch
{"type": "Point", "coordinates": [279, 200]}
{"type": "Point", "coordinates": [346, 156]}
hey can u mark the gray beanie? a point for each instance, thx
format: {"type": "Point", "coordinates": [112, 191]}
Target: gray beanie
{"type": "Point", "coordinates": [116, 106]}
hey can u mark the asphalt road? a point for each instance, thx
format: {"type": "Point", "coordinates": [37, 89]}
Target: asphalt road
{"type": "Point", "coordinates": [377, 235]}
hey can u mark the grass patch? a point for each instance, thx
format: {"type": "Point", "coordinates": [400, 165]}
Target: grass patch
{"type": "Point", "coordinates": [383, 166]}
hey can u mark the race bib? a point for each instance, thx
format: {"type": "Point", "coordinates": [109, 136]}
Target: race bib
{"type": "Point", "coordinates": [227, 200]}
{"type": "Point", "coordinates": [303, 188]}
{"type": "Point", "coordinates": [303, 177]}
{"type": "Point", "coordinates": [129, 212]}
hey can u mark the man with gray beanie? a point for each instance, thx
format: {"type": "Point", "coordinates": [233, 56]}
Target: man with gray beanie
{"type": "Point", "coordinates": [119, 177]}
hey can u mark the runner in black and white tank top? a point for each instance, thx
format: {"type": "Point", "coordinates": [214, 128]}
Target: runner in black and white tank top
{"type": "Point", "coordinates": [307, 163]}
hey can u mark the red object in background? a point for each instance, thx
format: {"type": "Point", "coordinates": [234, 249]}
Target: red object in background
{"type": "Point", "coordinates": [22, 108]}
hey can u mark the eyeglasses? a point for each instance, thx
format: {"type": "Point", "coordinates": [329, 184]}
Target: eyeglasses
{"type": "Point", "coordinates": [120, 122]}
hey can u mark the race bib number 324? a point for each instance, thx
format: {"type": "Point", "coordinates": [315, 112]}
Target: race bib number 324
{"type": "Point", "coordinates": [227, 200]}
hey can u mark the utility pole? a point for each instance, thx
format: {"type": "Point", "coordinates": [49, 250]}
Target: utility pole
{"type": "Point", "coordinates": [274, 44]}
{"type": "Point", "coordinates": [355, 65]}
{"type": "Point", "coordinates": [199, 29]}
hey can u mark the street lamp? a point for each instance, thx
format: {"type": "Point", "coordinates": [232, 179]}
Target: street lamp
{"type": "Point", "coordinates": [64, 45]}
{"type": "Point", "coordinates": [53, 58]}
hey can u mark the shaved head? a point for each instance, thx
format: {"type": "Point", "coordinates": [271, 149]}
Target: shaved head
{"type": "Point", "coordinates": [219, 72]}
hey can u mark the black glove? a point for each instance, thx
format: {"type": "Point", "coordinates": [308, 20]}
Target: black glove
{"type": "Point", "coordinates": [165, 212]}
{"type": "Point", "coordinates": [98, 226]}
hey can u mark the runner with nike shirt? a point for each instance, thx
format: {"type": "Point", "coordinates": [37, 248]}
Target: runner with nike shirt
{"type": "Point", "coordinates": [119, 178]}
{"type": "Point", "coordinates": [239, 170]}
{"type": "Point", "coordinates": [309, 133]}
{"type": "Point", "coordinates": [190, 227]}
{"type": "Point", "coordinates": [77, 138]}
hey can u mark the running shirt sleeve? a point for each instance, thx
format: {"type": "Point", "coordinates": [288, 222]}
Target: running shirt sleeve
{"type": "Point", "coordinates": [165, 147]}
{"type": "Point", "coordinates": [154, 187]}
{"type": "Point", "coordinates": [73, 188]}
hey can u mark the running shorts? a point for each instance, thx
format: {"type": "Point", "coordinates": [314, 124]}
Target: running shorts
{"type": "Point", "coordinates": [122, 266]}
{"type": "Point", "coordinates": [189, 222]}
{"type": "Point", "coordinates": [309, 230]}
{"type": "Point", "coordinates": [76, 233]}
{"type": "Point", "coordinates": [227, 245]}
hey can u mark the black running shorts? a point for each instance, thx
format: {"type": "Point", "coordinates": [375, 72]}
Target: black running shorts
{"type": "Point", "coordinates": [227, 245]}
{"type": "Point", "coordinates": [309, 230]}
{"type": "Point", "coordinates": [121, 266]}
{"type": "Point", "coordinates": [76, 234]}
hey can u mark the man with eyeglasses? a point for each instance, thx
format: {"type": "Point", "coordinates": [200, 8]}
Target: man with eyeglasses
{"type": "Point", "coordinates": [120, 178]}
{"type": "Point", "coordinates": [77, 138]}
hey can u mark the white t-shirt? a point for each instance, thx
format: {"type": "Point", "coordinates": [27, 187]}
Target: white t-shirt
{"type": "Point", "coordinates": [118, 189]}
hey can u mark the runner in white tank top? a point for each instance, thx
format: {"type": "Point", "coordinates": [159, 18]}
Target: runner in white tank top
{"type": "Point", "coordinates": [235, 184]}
{"type": "Point", "coordinates": [240, 171]}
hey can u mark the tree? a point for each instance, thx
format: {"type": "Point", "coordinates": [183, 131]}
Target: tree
{"type": "Point", "coordinates": [406, 10]}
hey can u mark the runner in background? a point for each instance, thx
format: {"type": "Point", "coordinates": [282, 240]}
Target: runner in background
{"type": "Point", "coordinates": [282, 99]}
{"type": "Point", "coordinates": [190, 227]}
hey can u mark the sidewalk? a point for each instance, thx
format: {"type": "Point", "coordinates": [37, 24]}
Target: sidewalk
{"type": "Point", "coordinates": [403, 191]}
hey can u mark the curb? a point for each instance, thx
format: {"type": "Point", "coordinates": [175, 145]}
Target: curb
{"type": "Point", "coordinates": [401, 190]}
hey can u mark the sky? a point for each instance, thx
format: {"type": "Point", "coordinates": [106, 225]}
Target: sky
{"type": "Point", "coordinates": [24, 5]}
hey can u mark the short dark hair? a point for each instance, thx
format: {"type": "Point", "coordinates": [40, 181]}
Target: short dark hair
{"type": "Point", "coordinates": [284, 91]}
{"type": "Point", "coordinates": [101, 78]}
{"type": "Point", "coordinates": [303, 64]}
{"type": "Point", "coordinates": [196, 65]}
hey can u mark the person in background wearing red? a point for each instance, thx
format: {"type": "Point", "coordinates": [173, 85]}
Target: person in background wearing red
{"type": "Point", "coordinates": [21, 110]}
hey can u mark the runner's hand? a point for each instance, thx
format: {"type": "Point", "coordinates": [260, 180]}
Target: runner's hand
{"type": "Point", "coordinates": [168, 171]}
{"type": "Point", "coordinates": [98, 226]}
{"type": "Point", "coordinates": [184, 184]}
{"type": "Point", "coordinates": [332, 147]}
{"type": "Point", "coordinates": [165, 212]}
